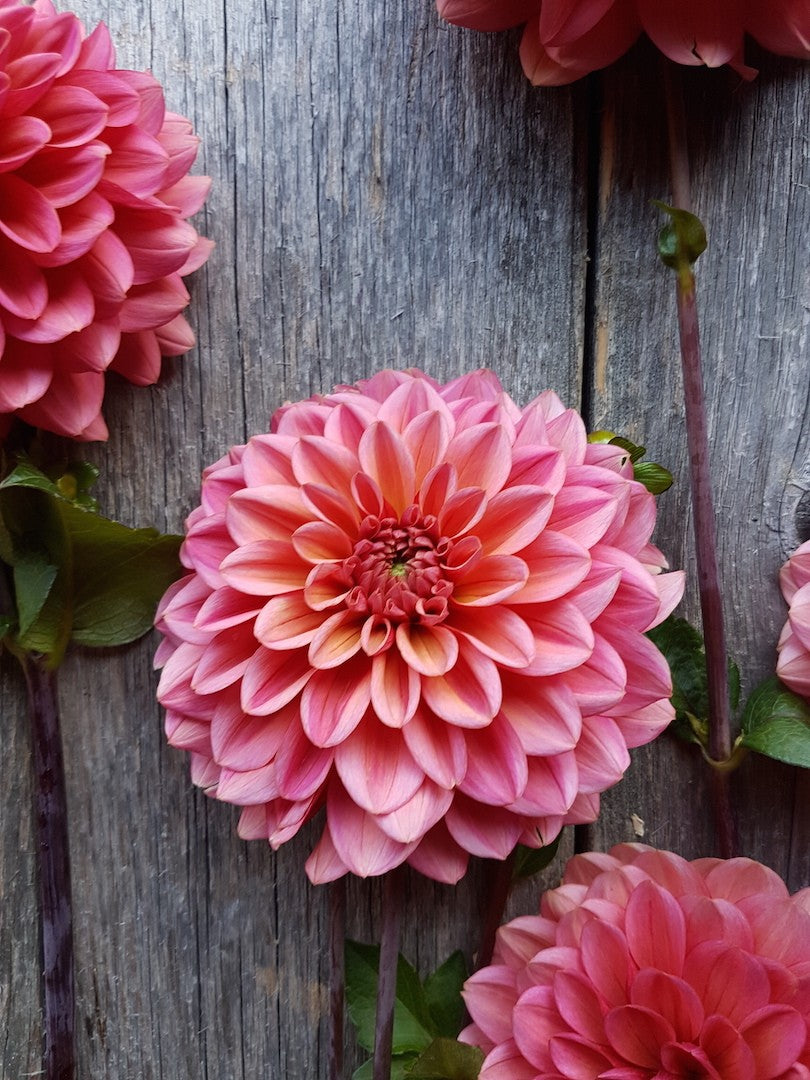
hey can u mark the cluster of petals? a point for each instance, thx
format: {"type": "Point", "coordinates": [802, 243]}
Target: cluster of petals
{"type": "Point", "coordinates": [793, 666]}
{"type": "Point", "coordinates": [94, 241]}
{"type": "Point", "coordinates": [643, 966]}
{"type": "Point", "coordinates": [566, 39]}
{"type": "Point", "coordinates": [424, 608]}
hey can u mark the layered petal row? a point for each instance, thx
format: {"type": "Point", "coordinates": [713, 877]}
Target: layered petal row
{"type": "Point", "coordinates": [643, 966]}
{"type": "Point", "coordinates": [793, 666]}
{"type": "Point", "coordinates": [424, 609]}
{"type": "Point", "coordinates": [566, 39]}
{"type": "Point", "coordinates": [94, 241]}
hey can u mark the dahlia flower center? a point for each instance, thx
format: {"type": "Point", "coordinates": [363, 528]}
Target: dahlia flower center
{"type": "Point", "coordinates": [397, 569]}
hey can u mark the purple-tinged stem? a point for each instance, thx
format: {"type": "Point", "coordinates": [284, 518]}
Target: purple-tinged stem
{"type": "Point", "coordinates": [387, 981]}
{"type": "Point", "coordinates": [337, 977]}
{"type": "Point", "coordinates": [500, 885]}
{"type": "Point", "coordinates": [54, 873]}
{"type": "Point", "coordinates": [711, 603]}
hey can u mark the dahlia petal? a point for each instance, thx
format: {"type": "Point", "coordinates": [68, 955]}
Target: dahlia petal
{"type": "Point", "coordinates": [506, 1062]}
{"type": "Point", "coordinates": [461, 512]}
{"type": "Point", "coordinates": [187, 195]}
{"type": "Point", "coordinates": [272, 679]}
{"type": "Point", "coordinates": [782, 26]}
{"type": "Point", "coordinates": [334, 701]}
{"type": "Point", "coordinates": [656, 930]}
{"type": "Point", "coordinates": [563, 21]}
{"type": "Point", "coordinates": [563, 639]}
{"type": "Point", "coordinates": [359, 842]}
{"type": "Point", "coordinates": [487, 831]}
{"type": "Point", "coordinates": [468, 694]}
{"type": "Point", "coordinates": [729, 981]}
{"type": "Point", "coordinates": [336, 640]}
{"type": "Point", "coordinates": [482, 458]}
{"type": "Point", "coordinates": [158, 241]}
{"type": "Point", "coordinates": [267, 460]}
{"type": "Point", "coordinates": [426, 438]}
{"type": "Point", "coordinates": [438, 856]}
{"type": "Point", "coordinates": [513, 519]}
{"type": "Point", "coordinates": [328, 505]}
{"type": "Point", "coordinates": [175, 337]}
{"type": "Point", "coordinates": [598, 48]}
{"type": "Point", "coordinates": [583, 513]}
{"type": "Point", "coordinates": [224, 661]}
{"type": "Point", "coordinates": [120, 100]}
{"type": "Point", "coordinates": [538, 466]}
{"type": "Point", "coordinates": [601, 753]}
{"type": "Point", "coordinates": [318, 541]}
{"type": "Point", "coordinates": [637, 1034]}
{"type": "Point", "coordinates": [502, 635]}
{"type": "Point", "coordinates": [556, 565]}
{"type": "Point", "coordinates": [737, 879]}
{"type": "Point", "coordinates": [496, 765]}
{"type": "Point", "coordinates": [551, 786]}
{"type": "Point", "coordinates": [264, 568]}
{"type": "Point", "coordinates": [411, 821]}
{"type": "Point", "coordinates": [74, 115]}
{"type": "Point", "coordinates": [597, 590]}
{"type": "Point", "coordinates": [138, 359]}
{"type": "Point", "coordinates": [242, 742]}
{"type": "Point", "coordinates": [70, 308]}
{"type": "Point", "coordinates": [430, 650]}
{"type": "Point", "coordinates": [249, 788]}
{"type": "Point", "coordinates": [326, 586]}
{"type": "Point", "coordinates": [285, 622]}
{"type": "Point", "coordinates": [437, 489]}
{"type": "Point", "coordinates": [284, 819]}
{"type": "Point", "coordinates": [395, 689]}
{"type": "Point", "coordinates": [578, 1004]}
{"type": "Point", "coordinates": [107, 267]}
{"type": "Point", "coordinates": [689, 32]}
{"type": "Point", "coordinates": [545, 718]}
{"type": "Point", "coordinates": [71, 406]}
{"type": "Point", "coordinates": [301, 768]}
{"type": "Point", "coordinates": [385, 457]}
{"type": "Point", "coordinates": [29, 77]}
{"type": "Point", "coordinates": [20, 139]}
{"type": "Point", "coordinates": [137, 162]}
{"type": "Point", "coordinates": [22, 379]}
{"type": "Point", "coordinates": [23, 289]}
{"type": "Point", "coordinates": [490, 995]}
{"type": "Point", "coordinates": [486, 14]}
{"type": "Point", "coordinates": [324, 864]}
{"type": "Point", "coordinates": [606, 960]}
{"type": "Point", "coordinates": [65, 175]}
{"type": "Point", "coordinates": [673, 999]}
{"type": "Point", "coordinates": [150, 306]}
{"type": "Point", "coordinates": [439, 749]}
{"type": "Point", "coordinates": [316, 460]}
{"type": "Point", "coordinates": [776, 1036]}
{"type": "Point", "coordinates": [271, 512]}
{"type": "Point", "coordinates": [601, 681]}
{"type": "Point", "coordinates": [726, 1049]}
{"type": "Point", "coordinates": [708, 919]}
{"type": "Point", "coordinates": [376, 768]}
{"type": "Point", "coordinates": [91, 349]}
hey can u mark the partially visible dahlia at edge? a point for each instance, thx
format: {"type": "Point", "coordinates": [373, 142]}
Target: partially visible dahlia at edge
{"type": "Point", "coordinates": [566, 39]}
{"type": "Point", "coordinates": [424, 609]}
{"type": "Point", "coordinates": [643, 966]}
{"type": "Point", "coordinates": [94, 242]}
{"type": "Point", "coordinates": [793, 666]}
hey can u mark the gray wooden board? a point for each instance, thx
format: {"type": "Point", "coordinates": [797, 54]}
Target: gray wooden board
{"type": "Point", "coordinates": [390, 192]}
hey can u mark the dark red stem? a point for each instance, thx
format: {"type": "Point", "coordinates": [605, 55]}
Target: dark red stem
{"type": "Point", "coordinates": [337, 975]}
{"type": "Point", "coordinates": [500, 885]}
{"type": "Point", "coordinates": [54, 873]}
{"type": "Point", "coordinates": [711, 604]}
{"type": "Point", "coordinates": [387, 982]}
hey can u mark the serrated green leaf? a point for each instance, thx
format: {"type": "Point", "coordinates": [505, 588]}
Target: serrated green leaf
{"type": "Point", "coordinates": [400, 1064]}
{"type": "Point", "coordinates": [443, 995]}
{"type": "Point", "coordinates": [655, 478]}
{"type": "Point", "coordinates": [33, 580]}
{"type": "Point", "coordinates": [413, 1026]}
{"type": "Point", "coordinates": [530, 861]}
{"type": "Point", "coordinates": [683, 240]}
{"type": "Point", "coordinates": [683, 649]}
{"type": "Point", "coordinates": [447, 1059]}
{"type": "Point", "coordinates": [776, 722]}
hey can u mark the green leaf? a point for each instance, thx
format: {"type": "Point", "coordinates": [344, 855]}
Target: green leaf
{"type": "Point", "coordinates": [33, 580]}
{"type": "Point", "coordinates": [447, 1059]}
{"type": "Point", "coordinates": [683, 649]}
{"type": "Point", "coordinates": [413, 1026]}
{"type": "Point", "coordinates": [443, 995]}
{"type": "Point", "coordinates": [530, 861]}
{"type": "Point", "coordinates": [655, 478]}
{"type": "Point", "coordinates": [683, 240]}
{"type": "Point", "coordinates": [776, 722]}
{"type": "Point", "coordinates": [400, 1064]}
{"type": "Point", "coordinates": [26, 475]}
{"type": "Point", "coordinates": [635, 452]}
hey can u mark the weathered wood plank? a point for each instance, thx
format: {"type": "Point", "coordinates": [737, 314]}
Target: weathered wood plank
{"type": "Point", "coordinates": [750, 186]}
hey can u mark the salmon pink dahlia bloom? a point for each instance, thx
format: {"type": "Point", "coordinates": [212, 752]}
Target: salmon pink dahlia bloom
{"type": "Point", "coordinates": [94, 241]}
{"type": "Point", "coordinates": [642, 966]}
{"type": "Point", "coordinates": [566, 39]}
{"type": "Point", "coordinates": [793, 667]}
{"type": "Point", "coordinates": [424, 608]}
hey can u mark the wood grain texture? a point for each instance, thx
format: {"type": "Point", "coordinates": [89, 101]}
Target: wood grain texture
{"type": "Point", "coordinates": [390, 192]}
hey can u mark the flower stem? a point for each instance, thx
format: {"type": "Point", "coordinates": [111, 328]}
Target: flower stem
{"type": "Point", "coordinates": [54, 872]}
{"type": "Point", "coordinates": [337, 974]}
{"type": "Point", "coordinates": [387, 980]}
{"type": "Point", "coordinates": [500, 885]}
{"type": "Point", "coordinates": [711, 604]}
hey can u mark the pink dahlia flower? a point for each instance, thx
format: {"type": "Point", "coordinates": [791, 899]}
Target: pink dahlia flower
{"type": "Point", "coordinates": [424, 608]}
{"type": "Point", "coordinates": [642, 966]}
{"type": "Point", "coordinates": [793, 667]}
{"type": "Point", "coordinates": [94, 242]}
{"type": "Point", "coordinates": [566, 39]}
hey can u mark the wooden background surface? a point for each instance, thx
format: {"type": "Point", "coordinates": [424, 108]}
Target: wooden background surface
{"type": "Point", "coordinates": [389, 191]}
